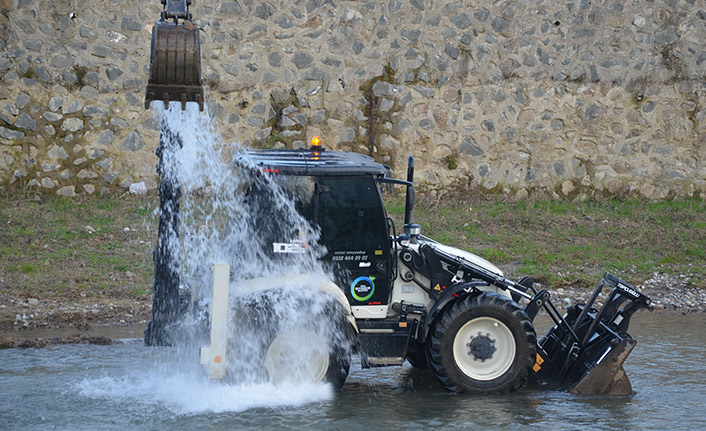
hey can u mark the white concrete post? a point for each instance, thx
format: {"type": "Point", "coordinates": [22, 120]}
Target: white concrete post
{"type": "Point", "coordinates": [215, 356]}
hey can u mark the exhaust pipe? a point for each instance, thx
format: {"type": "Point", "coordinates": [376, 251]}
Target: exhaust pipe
{"type": "Point", "coordinates": [411, 229]}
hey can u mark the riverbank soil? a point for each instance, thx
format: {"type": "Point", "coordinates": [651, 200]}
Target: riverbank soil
{"type": "Point", "coordinates": [75, 262]}
{"type": "Point", "coordinates": [86, 262]}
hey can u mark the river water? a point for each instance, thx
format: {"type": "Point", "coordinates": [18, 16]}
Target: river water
{"type": "Point", "coordinates": [129, 386]}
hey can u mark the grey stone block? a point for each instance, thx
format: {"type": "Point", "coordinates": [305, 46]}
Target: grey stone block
{"type": "Point", "coordinates": [48, 183]}
{"type": "Point", "coordinates": [230, 8]}
{"type": "Point", "coordinates": [72, 125]}
{"type": "Point", "coordinates": [131, 24]}
{"type": "Point", "coordinates": [274, 59]}
{"type": "Point", "coordinates": [105, 163]}
{"type": "Point", "coordinates": [426, 92]}
{"type": "Point", "coordinates": [43, 75]}
{"type": "Point", "coordinates": [419, 4]}
{"type": "Point", "coordinates": [461, 20]}
{"type": "Point", "coordinates": [319, 116]}
{"type": "Point", "coordinates": [69, 77]}
{"type": "Point", "coordinates": [61, 61]}
{"type": "Point", "coordinates": [110, 177]}
{"type": "Point", "coordinates": [499, 24]}
{"type": "Point", "coordinates": [55, 103]}
{"type": "Point", "coordinates": [255, 121]}
{"type": "Point", "coordinates": [133, 83]}
{"type": "Point", "coordinates": [448, 33]}
{"type": "Point", "coordinates": [105, 138]}
{"type": "Point", "coordinates": [452, 51]}
{"type": "Point", "coordinates": [411, 35]}
{"type": "Point", "coordinates": [263, 11]}
{"type": "Point", "coordinates": [92, 110]}
{"type": "Point", "coordinates": [133, 100]}
{"type": "Point", "coordinates": [57, 152]}
{"type": "Point", "coordinates": [314, 74]}
{"type": "Point", "coordinates": [383, 88]}
{"type": "Point", "coordinates": [358, 47]}
{"type": "Point", "coordinates": [469, 147]}
{"type": "Point", "coordinates": [72, 107]}
{"type": "Point", "coordinates": [33, 45]}
{"type": "Point", "coordinates": [52, 116]}
{"type": "Point", "coordinates": [284, 22]}
{"type": "Point", "coordinates": [10, 134]}
{"type": "Point", "coordinates": [132, 142]}
{"type": "Point", "coordinates": [346, 135]}
{"type": "Point", "coordinates": [22, 100]}
{"type": "Point", "coordinates": [302, 59]}
{"type": "Point", "coordinates": [559, 168]}
{"type": "Point", "coordinates": [88, 93]}
{"type": "Point", "coordinates": [285, 122]}
{"type": "Point", "coordinates": [404, 125]}
{"type": "Point", "coordinates": [231, 69]}
{"type": "Point", "coordinates": [152, 123]}
{"type": "Point", "coordinates": [269, 77]}
{"type": "Point", "coordinates": [648, 107]}
{"type": "Point", "coordinates": [119, 123]}
{"type": "Point", "coordinates": [667, 36]}
{"type": "Point", "coordinates": [113, 73]}
{"type": "Point", "coordinates": [88, 33]}
{"type": "Point", "coordinates": [300, 119]}
{"type": "Point", "coordinates": [488, 126]}
{"type": "Point", "coordinates": [584, 32]}
{"type": "Point", "coordinates": [26, 122]}
{"type": "Point", "coordinates": [102, 51]}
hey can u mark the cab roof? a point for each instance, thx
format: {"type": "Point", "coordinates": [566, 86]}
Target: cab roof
{"type": "Point", "coordinates": [316, 162]}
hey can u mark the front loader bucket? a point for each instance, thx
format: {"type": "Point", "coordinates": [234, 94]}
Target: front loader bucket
{"type": "Point", "coordinates": [586, 349]}
{"type": "Point", "coordinates": [175, 65]}
{"type": "Point", "coordinates": [607, 376]}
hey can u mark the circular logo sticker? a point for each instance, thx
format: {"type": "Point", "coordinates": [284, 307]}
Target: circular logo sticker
{"type": "Point", "coordinates": [363, 288]}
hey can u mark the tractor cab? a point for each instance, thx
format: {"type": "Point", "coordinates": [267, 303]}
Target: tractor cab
{"type": "Point", "coordinates": [338, 195]}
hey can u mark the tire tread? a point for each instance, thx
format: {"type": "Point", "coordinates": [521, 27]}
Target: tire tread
{"type": "Point", "coordinates": [440, 329]}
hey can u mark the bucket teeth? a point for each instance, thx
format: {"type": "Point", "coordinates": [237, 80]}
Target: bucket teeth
{"type": "Point", "coordinates": [175, 65]}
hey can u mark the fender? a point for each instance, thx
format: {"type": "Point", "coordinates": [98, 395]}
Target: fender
{"type": "Point", "coordinates": [321, 283]}
{"type": "Point", "coordinates": [451, 293]}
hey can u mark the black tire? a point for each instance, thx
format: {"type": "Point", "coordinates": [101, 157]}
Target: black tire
{"type": "Point", "coordinates": [457, 357]}
{"type": "Point", "coordinates": [416, 355]}
{"type": "Point", "coordinates": [313, 349]}
{"type": "Point", "coordinates": [339, 366]}
{"type": "Point", "coordinates": [318, 355]}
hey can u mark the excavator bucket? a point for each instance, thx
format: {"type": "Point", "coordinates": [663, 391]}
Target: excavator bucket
{"type": "Point", "coordinates": [175, 64]}
{"type": "Point", "coordinates": [586, 348]}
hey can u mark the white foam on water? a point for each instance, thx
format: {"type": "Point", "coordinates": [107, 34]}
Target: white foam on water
{"type": "Point", "coordinates": [191, 395]}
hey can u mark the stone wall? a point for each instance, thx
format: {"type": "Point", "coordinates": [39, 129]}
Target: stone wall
{"type": "Point", "coordinates": [573, 98]}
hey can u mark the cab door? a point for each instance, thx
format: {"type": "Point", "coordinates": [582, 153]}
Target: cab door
{"type": "Point", "coordinates": [354, 231]}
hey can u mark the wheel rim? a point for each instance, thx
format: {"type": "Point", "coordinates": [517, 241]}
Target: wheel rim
{"type": "Point", "coordinates": [484, 348]}
{"type": "Point", "coordinates": [297, 356]}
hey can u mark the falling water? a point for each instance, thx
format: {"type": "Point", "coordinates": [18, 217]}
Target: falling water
{"type": "Point", "coordinates": [230, 211]}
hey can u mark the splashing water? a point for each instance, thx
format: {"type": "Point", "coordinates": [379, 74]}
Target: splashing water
{"type": "Point", "coordinates": [230, 211]}
{"type": "Point", "coordinates": [187, 394]}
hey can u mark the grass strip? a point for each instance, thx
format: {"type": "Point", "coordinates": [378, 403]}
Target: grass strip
{"type": "Point", "coordinates": [101, 246]}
